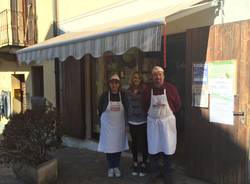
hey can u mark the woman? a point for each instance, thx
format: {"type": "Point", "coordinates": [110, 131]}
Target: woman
{"type": "Point", "coordinates": [113, 139]}
{"type": "Point", "coordinates": [137, 123]}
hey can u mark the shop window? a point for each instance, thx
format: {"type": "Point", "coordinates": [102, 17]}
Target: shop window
{"type": "Point", "coordinates": [133, 60]}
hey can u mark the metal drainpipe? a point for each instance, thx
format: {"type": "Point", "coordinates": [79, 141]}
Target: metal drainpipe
{"type": "Point", "coordinates": [57, 79]}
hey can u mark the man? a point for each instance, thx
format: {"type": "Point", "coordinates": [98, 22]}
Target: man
{"type": "Point", "coordinates": [161, 102]}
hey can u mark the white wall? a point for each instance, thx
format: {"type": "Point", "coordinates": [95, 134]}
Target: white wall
{"type": "Point", "coordinates": [234, 10]}
{"type": "Point", "coordinates": [230, 11]}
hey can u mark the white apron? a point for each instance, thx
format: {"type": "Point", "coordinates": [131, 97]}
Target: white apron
{"type": "Point", "coordinates": [113, 136]}
{"type": "Point", "coordinates": [161, 127]}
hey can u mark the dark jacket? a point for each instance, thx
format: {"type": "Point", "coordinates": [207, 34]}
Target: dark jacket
{"type": "Point", "coordinates": [103, 101]}
{"type": "Point", "coordinates": [173, 97]}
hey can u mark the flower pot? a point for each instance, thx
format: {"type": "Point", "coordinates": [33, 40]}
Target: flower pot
{"type": "Point", "coordinates": [45, 173]}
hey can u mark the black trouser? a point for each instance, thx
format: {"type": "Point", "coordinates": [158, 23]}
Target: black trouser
{"type": "Point", "coordinates": [113, 159]}
{"type": "Point", "coordinates": [139, 141]}
{"type": "Point", "coordinates": [155, 166]}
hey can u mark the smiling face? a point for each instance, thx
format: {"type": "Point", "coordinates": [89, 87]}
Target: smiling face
{"type": "Point", "coordinates": [136, 80]}
{"type": "Point", "coordinates": [114, 86]}
{"type": "Point", "coordinates": [158, 78]}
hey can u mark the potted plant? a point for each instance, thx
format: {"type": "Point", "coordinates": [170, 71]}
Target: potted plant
{"type": "Point", "coordinates": [28, 139]}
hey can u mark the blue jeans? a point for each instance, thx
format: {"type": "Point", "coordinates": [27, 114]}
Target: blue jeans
{"type": "Point", "coordinates": [155, 166]}
{"type": "Point", "coordinates": [113, 159]}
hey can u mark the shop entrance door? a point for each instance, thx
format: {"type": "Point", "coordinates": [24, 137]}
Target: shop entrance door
{"type": "Point", "coordinates": [72, 97]}
{"type": "Point", "coordinates": [218, 152]}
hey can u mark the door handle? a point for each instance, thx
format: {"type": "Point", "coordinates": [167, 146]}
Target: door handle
{"type": "Point", "coordinates": [239, 114]}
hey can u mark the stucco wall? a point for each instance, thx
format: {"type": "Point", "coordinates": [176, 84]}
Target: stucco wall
{"type": "Point", "coordinates": [230, 11]}
{"type": "Point", "coordinates": [49, 81]}
{"type": "Point", "coordinates": [5, 4]}
{"type": "Point", "coordinates": [69, 9]}
{"type": "Point", "coordinates": [234, 10]}
{"type": "Point", "coordinates": [7, 69]}
{"type": "Point", "coordinates": [44, 10]}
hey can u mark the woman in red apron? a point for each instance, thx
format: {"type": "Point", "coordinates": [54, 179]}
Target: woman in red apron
{"type": "Point", "coordinates": [113, 138]}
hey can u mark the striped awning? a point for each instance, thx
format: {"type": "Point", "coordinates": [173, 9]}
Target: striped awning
{"type": "Point", "coordinates": [143, 31]}
{"type": "Point", "coordinates": [146, 37]}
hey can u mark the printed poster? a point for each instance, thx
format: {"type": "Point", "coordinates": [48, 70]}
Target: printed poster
{"type": "Point", "coordinates": [221, 82]}
{"type": "Point", "coordinates": [200, 85]}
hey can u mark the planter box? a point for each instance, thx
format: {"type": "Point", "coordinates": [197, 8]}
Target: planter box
{"type": "Point", "coordinates": [43, 174]}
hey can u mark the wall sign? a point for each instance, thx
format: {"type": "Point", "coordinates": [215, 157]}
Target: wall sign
{"type": "Point", "coordinates": [200, 85]}
{"type": "Point", "coordinates": [221, 82]}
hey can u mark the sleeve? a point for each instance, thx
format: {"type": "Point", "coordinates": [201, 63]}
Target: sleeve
{"type": "Point", "coordinates": [146, 98]}
{"type": "Point", "coordinates": [125, 105]}
{"type": "Point", "coordinates": [102, 105]}
{"type": "Point", "coordinates": [177, 100]}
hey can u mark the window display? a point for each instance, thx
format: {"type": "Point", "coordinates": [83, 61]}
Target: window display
{"type": "Point", "coordinates": [134, 59]}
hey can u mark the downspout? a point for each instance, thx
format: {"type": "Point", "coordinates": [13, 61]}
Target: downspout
{"type": "Point", "coordinates": [57, 79]}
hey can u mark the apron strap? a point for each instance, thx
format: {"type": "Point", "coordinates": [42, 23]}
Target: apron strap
{"type": "Point", "coordinates": [119, 96]}
{"type": "Point", "coordinates": [109, 97]}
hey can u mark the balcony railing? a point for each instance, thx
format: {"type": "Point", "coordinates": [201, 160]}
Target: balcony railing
{"type": "Point", "coordinates": [16, 30]}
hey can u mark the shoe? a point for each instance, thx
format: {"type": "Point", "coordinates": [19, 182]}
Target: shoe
{"type": "Point", "coordinates": [135, 169]}
{"type": "Point", "coordinates": [117, 172]}
{"type": "Point", "coordinates": [111, 173]}
{"type": "Point", "coordinates": [142, 170]}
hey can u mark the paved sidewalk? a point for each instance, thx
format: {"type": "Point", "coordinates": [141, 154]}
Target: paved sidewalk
{"type": "Point", "coordinates": [82, 166]}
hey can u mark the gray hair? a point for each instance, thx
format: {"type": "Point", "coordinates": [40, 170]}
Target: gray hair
{"type": "Point", "coordinates": [157, 69]}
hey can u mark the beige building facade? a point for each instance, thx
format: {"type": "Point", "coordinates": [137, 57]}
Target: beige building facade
{"type": "Point", "coordinates": [196, 33]}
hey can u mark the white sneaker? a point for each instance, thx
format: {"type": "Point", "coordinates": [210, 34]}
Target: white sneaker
{"type": "Point", "coordinates": [111, 173]}
{"type": "Point", "coordinates": [117, 172]}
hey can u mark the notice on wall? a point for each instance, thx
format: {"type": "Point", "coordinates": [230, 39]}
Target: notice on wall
{"type": "Point", "coordinates": [221, 82]}
{"type": "Point", "coordinates": [200, 85]}
{"type": "Point", "coordinates": [200, 95]}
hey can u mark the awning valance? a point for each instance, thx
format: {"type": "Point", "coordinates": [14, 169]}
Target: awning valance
{"type": "Point", "coordinates": [146, 37]}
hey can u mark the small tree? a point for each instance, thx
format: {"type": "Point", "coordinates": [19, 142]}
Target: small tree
{"type": "Point", "coordinates": [30, 136]}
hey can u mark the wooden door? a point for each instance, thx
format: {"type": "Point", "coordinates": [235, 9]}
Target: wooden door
{"type": "Point", "coordinates": [37, 81]}
{"type": "Point", "coordinates": [72, 100]}
{"type": "Point", "coordinates": [23, 22]}
{"type": "Point", "coordinates": [219, 152]}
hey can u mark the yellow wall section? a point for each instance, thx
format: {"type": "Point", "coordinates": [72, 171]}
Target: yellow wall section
{"type": "Point", "coordinates": [4, 4]}
{"type": "Point", "coordinates": [7, 69]}
{"type": "Point", "coordinates": [44, 11]}
{"type": "Point", "coordinates": [49, 81]}
{"type": "Point", "coordinates": [71, 9]}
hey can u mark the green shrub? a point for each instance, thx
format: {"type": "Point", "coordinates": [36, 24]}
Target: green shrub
{"type": "Point", "coordinates": [30, 136]}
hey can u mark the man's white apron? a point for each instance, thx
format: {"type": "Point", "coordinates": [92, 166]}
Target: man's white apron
{"type": "Point", "coordinates": [113, 137]}
{"type": "Point", "coordinates": [161, 126]}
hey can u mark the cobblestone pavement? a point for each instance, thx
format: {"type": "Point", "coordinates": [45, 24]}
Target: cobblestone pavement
{"type": "Point", "coordinates": [81, 166]}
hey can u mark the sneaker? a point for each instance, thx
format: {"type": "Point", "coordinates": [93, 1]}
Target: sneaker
{"type": "Point", "coordinates": [117, 172]}
{"type": "Point", "coordinates": [142, 170]}
{"type": "Point", "coordinates": [135, 169]}
{"type": "Point", "coordinates": [111, 173]}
